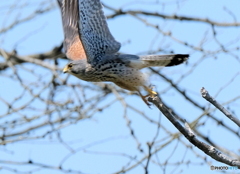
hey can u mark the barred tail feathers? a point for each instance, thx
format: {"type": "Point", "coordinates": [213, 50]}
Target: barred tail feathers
{"type": "Point", "coordinates": [163, 60]}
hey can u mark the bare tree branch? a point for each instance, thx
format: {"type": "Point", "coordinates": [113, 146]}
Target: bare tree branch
{"type": "Point", "coordinates": [188, 133]}
{"type": "Point", "coordinates": [28, 18]}
{"type": "Point", "coordinates": [35, 58]}
{"type": "Point", "coordinates": [209, 98]}
{"type": "Point", "coordinates": [119, 12]}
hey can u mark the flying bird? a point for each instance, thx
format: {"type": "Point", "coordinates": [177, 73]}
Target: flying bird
{"type": "Point", "coordinates": [93, 50]}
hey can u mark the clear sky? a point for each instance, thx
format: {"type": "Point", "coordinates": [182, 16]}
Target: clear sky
{"type": "Point", "coordinates": [99, 142]}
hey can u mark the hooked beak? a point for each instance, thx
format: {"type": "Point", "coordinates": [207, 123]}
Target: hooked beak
{"type": "Point", "coordinates": [65, 69]}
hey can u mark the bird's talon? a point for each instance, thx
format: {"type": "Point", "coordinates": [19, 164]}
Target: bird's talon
{"type": "Point", "coordinates": [151, 93]}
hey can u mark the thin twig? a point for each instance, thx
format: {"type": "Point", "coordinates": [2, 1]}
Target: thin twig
{"type": "Point", "coordinates": [209, 98]}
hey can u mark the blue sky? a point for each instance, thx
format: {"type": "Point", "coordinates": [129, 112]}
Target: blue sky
{"type": "Point", "coordinates": [101, 140]}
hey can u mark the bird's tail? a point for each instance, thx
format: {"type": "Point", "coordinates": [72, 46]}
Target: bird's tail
{"type": "Point", "coordinates": [163, 60]}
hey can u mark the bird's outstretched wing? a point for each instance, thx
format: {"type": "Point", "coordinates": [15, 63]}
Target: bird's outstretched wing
{"type": "Point", "coordinates": [70, 18]}
{"type": "Point", "coordinates": [94, 32]}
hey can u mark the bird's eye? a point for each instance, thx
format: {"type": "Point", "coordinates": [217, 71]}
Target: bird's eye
{"type": "Point", "coordinates": [70, 65]}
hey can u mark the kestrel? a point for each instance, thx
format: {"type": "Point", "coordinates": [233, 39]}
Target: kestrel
{"type": "Point", "coordinates": [93, 50]}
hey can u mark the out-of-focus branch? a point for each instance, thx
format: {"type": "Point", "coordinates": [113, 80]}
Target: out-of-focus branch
{"type": "Point", "coordinates": [119, 12]}
{"type": "Point", "coordinates": [209, 98]}
{"type": "Point", "coordinates": [40, 165]}
{"type": "Point", "coordinates": [35, 58]}
{"type": "Point", "coordinates": [28, 18]}
{"type": "Point", "coordinates": [189, 134]}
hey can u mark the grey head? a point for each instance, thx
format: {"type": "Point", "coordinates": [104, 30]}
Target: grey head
{"type": "Point", "coordinates": [76, 67]}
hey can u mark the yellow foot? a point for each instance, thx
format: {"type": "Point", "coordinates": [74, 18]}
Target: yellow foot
{"type": "Point", "coordinates": [151, 93]}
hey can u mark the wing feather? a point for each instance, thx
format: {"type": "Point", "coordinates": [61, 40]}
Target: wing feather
{"type": "Point", "coordinates": [94, 32]}
{"type": "Point", "coordinates": [70, 17]}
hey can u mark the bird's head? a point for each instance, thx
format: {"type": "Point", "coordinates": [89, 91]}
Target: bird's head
{"type": "Point", "coordinates": [67, 68]}
{"type": "Point", "coordinates": [76, 67]}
